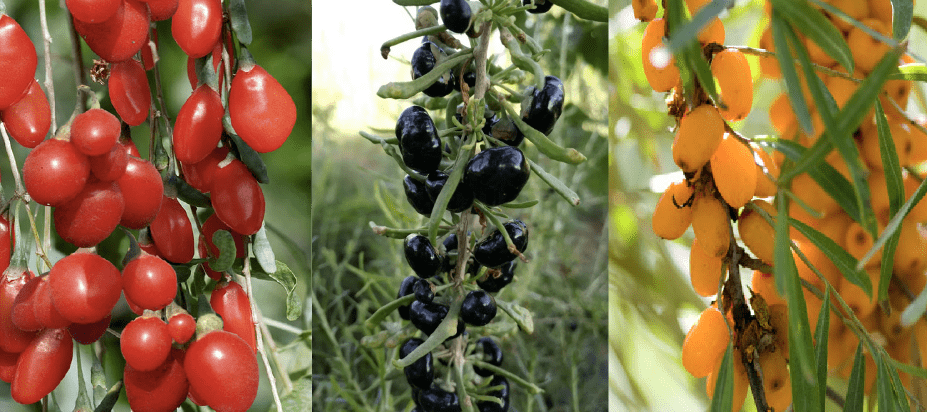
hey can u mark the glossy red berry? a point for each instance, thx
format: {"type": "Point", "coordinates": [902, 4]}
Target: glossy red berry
{"type": "Point", "coordinates": [237, 198]}
{"type": "Point", "coordinates": [12, 339]}
{"type": "Point", "coordinates": [145, 343]}
{"type": "Point", "coordinates": [95, 131]}
{"type": "Point", "coordinates": [121, 36]}
{"type": "Point", "coordinates": [221, 356]}
{"type": "Point", "coordinates": [45, 311]}
{"type": "Point", "coordinates": [172, 232]}
{"type": "Point", "coordinates": [90, 216]}
{"type": "Point", "coordinates": [87, 333]}
{"type": "Point", "coordinates": [182, 326]}
{"type": "Point", "coordinates": [23, 314]}
{"type": "Point", "coordinates": [149, 282]}
{"type": "Point", "coordinates": [54, 172]}
{"type": "Point", "coordinates": [42, 366]}
{"type": "Point", "coordinates": [93, 11]}
{"type": "Point", "coordinates": [196, 26]}
{"type": "Point", "coordinates": [262, 112]}
{"type": "Point", "coordinates": [199, 125]}
{"type": "Point", "coordinates": [129, 92]}
{"type": "Point", "coordinates": [111, 165]}
{"type": "Point", "coordinates": [18, 61]}
{"type": "Point", "coordinates": [230, 301]}
{"type": "Point", "coordinates": [85, 287]}
{"type": "Point", "coordinates": [161, 389]}
{"type": "Point", "coordinates": [200, 174]}
{"type": "Point", "coordinates": [29, 119]}
{"type": "Point", "coordinates": [142, 190]}
{"type": "Point", "coordinates": [162, 9]}
{"type": "Point", "coordinates": [209, 228]}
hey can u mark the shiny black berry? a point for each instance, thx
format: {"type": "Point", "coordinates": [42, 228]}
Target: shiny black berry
{"type": "Point", "coordinates": [492, 251]}
{"type": "Point", "coordinates": [497, 175]}
{"type": "Point", "coordinates": [541, 6]}
{"type": "Point", "coordinates": [502, 394]}
{"type": "Point", "coordinates": [461, 199]}
{"type": "Point", "coordinates": [423, 61]}
{"type": "Point", "coordinates": [492, 354]}
{"type": "Point", "coordinates": [451, 252]}
{"type": "Point", "coordinates": [418, 139]}
{"type": "Point", "coordinates": [420, 373]}
{"type": "Point", "coordinates": [478, 308]}
{"type": "Point", "coordinates": [418, 196]}
{"type": "Point", "coordinates": [455, 14]}
{"type": "Point", "coordinates": [436, 399]}
{"type": "Point", "coordinates": [498, 278]}
{"type": "Point", "coordinates": [427, 317]}
{"type": "Point", "coordinates": [507, 132]}
{"type": "Point", "coordinates": [415, 121]}
{"type": "Point", "coordinates": [423, 290]}
{"type": "Point", "coordinates": [546, 105]}
{"type": "Point", "coordinates": [405, 289]}
{"type": "Point", "coordinates": [421, 256]}
{"type": "Point", "coordinates": [471, 79]}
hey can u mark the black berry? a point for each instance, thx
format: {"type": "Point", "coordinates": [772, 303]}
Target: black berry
{"type": "Point", "coordinates": [423, 290]}
{"type": "Point", "coordinates": [461, 199]}
{"type": "Point", "coordinates": [405, 289]}
{"type": "Point", "coordinates": [546, 105]}
{"type": "Point", "coordinates": [423, 61]}
{"type": "Point", "coordinates": [507, 132]}
{"type": "Point", "coordinates": [438, 400]}
{"type": "Point", "coordinates": [455, 14]}
{"type": "Point", "coordinates": [502, 394]}
{"type": "Point", "coordinates": [421, 256]}
{"type": "Point", "coordinates": [420, 373]}
{"type": "Point", "coordinates": [478, 308]}
{"type": "Point", "coordinates": [492, 251]}
{"type": "Point", "coordinates": [541, 6]}
{"type": "Point", "coordinates": [418, 138]}
{"type": "Point", "coordinates": [497, 175]}
{"type": "Point", "coordinates": [498, 278]}
{"type": "Point", "coordinates": [492, 354]}
{"type": "Point", "coordinates": [427, 317]}
{"type": "Point", "coordinates": [418, 196]}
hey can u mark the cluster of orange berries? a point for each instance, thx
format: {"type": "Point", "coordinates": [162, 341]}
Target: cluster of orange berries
{"type": "Point", "coordinates": [724, 172]}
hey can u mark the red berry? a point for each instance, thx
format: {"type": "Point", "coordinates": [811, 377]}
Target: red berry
{"type": "Point", "coordinates": [199, 125]}
{"type": "Point", "coordinates": [149, 282]}
{"type": "Point", "coordinates": [121, 36]}
{"type": "Point", "coordinates": [172, 232]}
{"type": "Point", "coordinates": [17, 61]}
{"type": "Point", "coordinates": [262, 112]}
{"type": "Point", "coordinates": [129, 92]}
{"type": "Point", "coordinates": [110, 165]}
{"type": "Point", "coordinates": [93, 11]}
{"type": "Point", "coordinates": [54, 172]}
{"type": "Point", "coordinates": [182, 326]}
{"type": "Point", "coordinates": [42, 366]}
{"type": "Point", "coordinates": [200, 174]}
{"type": "Point", "coordinates": [231, 303]}
{"type": "Point", "coordinates": [196, 26]}
{"type": "Point", "coordinates": [237, 198]}
{"type": "Point", "coordinates": [23, 314]}
{"type": "Point", "coordinates": [12, 339]}
{"type": "Point", "coordinates": [45, 311]}
{"type": "Point", "coordinates": [29, 119]}
{"type": "Point", "coordinates": [142, 190]}
{"type": "Point", "coordinates": [85, 287]}
{"type": "Point", "coordinates": [222, 357]}
{"type": "Point", "coordinates": [161, 389]}
{"type": "Point", "coordinates": [145, 343]}
{"type": "Point", "coordinates": [90, 216]}
{"type": "Point", "coordinates": [87, 333]}
{"type": "Point", "coordinates": [162, 9]}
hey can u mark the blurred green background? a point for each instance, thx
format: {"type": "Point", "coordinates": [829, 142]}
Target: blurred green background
{"type": "Point", "coordinates": [355, 182]}
{"type": "Point", "coordinates": [651, 301]}
{"type": "Point", "coordinates": [284, 52]}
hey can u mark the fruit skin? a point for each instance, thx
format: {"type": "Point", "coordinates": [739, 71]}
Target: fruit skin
{"type": "Point", "coordinates": [14, 340]}
{"type": "Point", "coordinates": [427, 317]}
{"type": "Point", "coordinates": [705, 271]}
{"type": "Point", "coordinates": [198, 126]}
{"type": "Point", "coordinates": [497, 175]}
{"type": "Point", "coordinates": [437, 400]}
{"type": "Point", "coordinates": [89, 333]}
{"type": "Point", "coordinates": [705, 343]}
{"type": "Point", "coordinates": [734, 171]}
{"type": "Point", "coordinates": [494, 284]}
{"type": "Point", "coordinates": [161, 389]}
{"type": "Point", "coordinates": [420, 373]}
{"type": "Point", "coordinates": [231, 302]}
{"type": "Point", "coordinates": [661, 79]}
{"type": "Point", "coordinates": [150, 282]}
{"type": "Point", "coordinates": [421, 256]}
{"type": "Point", "coordinates": [18, 61]}
{"type": "Point", "coordinates": [503, 394]}
{"type": "Point", "coordinates": [455, 14]}
{"type": "Point", "coordinates": [546, 105]}
{"type": "Point", "coordinates": [418, 140]}
{"type": "Point", "coordinates": [238, 199]}
{"type": "Point", "coordinates": [85, 287]}
{"type": "Point", "coordinates": [121, 36]}
{"type": "Point", "coordinates": [200, 174]}
{"type": "Point", "coordinates": [23, 315]}
{"type": "Point", "coordinates": [145, 343]}
{"type": "Point", "coordinates": [29, 118]}
{"type": "Point", "coordinates": [423, 61]}
{"type": "Point", "coordinates": [110, 166]}
{"type": "Point", "coordinates": [418, 196]}
{"type": "Point", "coordinates": [142, 190]}
{"type": "Point", "coordinates": [262, 112]}
{"type": "Point", "coordinates": [699, 135]}
{"type": "Point", "coordinates": [91, 216]}
{"type": "Point", "coordinates": [196, 26]}
{"type": "Point", "coordinates": [492, 354]}
{"type": "Point", "coordinates": [462, 198]}
{"type": "Point", "coordinates": [94, 132]}
{"type": "Point", "coordinates": [406, 288]}
{"type": "Point", "coordinates": [669, 221]}
{"type": "Point", "coordinates": [493, 252]}
{"type": "Point", "coordinates": [423, 291]}
{"type": "Point", "coordinates": [711, 225]}
{"type": "Point", "coordinates": [92, 11]}
{"type": "Point", "coordinates": [182, 327]}
{"type": "Point", "coordinates": [172, 232]}
{"type": "Point", "coordinates": [221, 356]}
{"type": "Point", "coordinates": [756, 233]}
{"type": "Point", "coordinates": [42, 366]}
{"type": "Point", "coordinates": [54, 172]}
{"type": "Point", "coordinates": [478, 308]}
{"type": "Point", "coordinates": [541, 6]}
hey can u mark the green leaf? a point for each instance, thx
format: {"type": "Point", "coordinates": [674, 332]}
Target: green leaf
{"type": "Point", "coordinates": [685, 34]}
{"type": "Point", "coordinates": [110, 399]}
{"type": "Point", "coordinates": [816, 27]}
{"type": "Point", "coordinates": [724, 384]}
{"type": "Point", "coordinates": [896, 192]}
{"type": "Point", "coordinates": [249, 156]}
{"type": "Point", "coordinates": [779, 28]}
{"type": "Point", "coordinates": [584, 9]}
{"type": "Point", "coordinates": [854, 402]}
{"type": "Point", "coordinates": [239, 18]}
{"type": "Point", "coordinates": [187, 193]}
{"type": "Point", "coordinates": [386, 310]}
{"type": "Point", "coordinates": [821, 347]}
{"type": "Point", "coordinates": [902, 18]}
{"type": "Point", "coordinates": [263, 251]}
{"type": "Point", "coordinates": [802, 360]}
{"type": "Point", "coordinates": [885, 397]}
{"type": "Point", "coordinates": [911, 71]}
{"type": "Point", "coordinates": [843, 260]}
{"type": "Point", "coordinates": [285, 278]}
{"type": "Point", "coordinates": [521, 315]}
{"type": "Point", "coordinates": [454, 179]}
{"type": "Point", "coordinates": [569, 195]}
{"type": "Point", "coordinates": [223, 240]}
{"type": "Point", "coordinates": [299, 399]}
{"type": "Point", "coordinates": [902, 402]}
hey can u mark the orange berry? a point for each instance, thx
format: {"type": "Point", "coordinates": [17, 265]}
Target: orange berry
{"type": "Point", "coordinates": [920, 210]}
{"type": "Point", "coordinates": [714, 32]}
{"type": "Point", "coordinates": [856, 298]}
{"type": "Point", "coordinates": [769, 67]}
{"type": "Point", "coordinates": [909, 260]}
{"type": "Point", "coordinates": [736, 88]}
{"type": "Point", "coordinates": [740, 379]}
{"type": "Point", "coordinates": [892, 328]}
{"type": "Point", "coordinates": [879, 195]}
{"type": "Point", "coordinates": [858, 242]}
{"type": "Point", "coordinates": [818, 55]}
{"type": "Point", "coordinates": [842, 345]}
{"type": "Point", "coordinates": [669, 221]}
{"type": "Point", "coordinates": [705, 343]}
{"type": "Point", "coordinates": [711, 225]}
{"type": "Point", "coordinates": [777, 385]}
{"type": "Point", "coordinates": [919, 144]}
{"type": "Point", "coordinates": [902, 140]}
{"type": "Point", "coordinates": [705, 271]}
{"type": "Point", "coordinates": [781, 114]}
{"type": "Point", "coordinates": [858, 39]}
{"type": "Point", "coordinates": [762, 284]}
{"type": "Point", "coordinates": [820, 261]}
{"type": "Point", "coordinates": [732, 164]}
{"type": "Point", "coordinates": [779, 322]}
{"type": "Point", "coordinates": [804, 187]}
{"type": "Point", "coordinates": [756, 233]}
{"type": "Point", "coordinates": [857, 9]}
{"type": "Point", "coordinates": [645, 10]}
{"type": "Point", "coordinates": [842, 89]}
{"type": "Point", "coordinates": [765, 186]}
{"type": "Point", "coordinates": [658, 62]}
{"type": "Point", "coordinates": [881, 10]}
{"type": "Point", "coordinates": [698, 136]}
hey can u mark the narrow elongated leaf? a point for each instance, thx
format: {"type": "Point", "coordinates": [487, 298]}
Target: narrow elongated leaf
{"type": "Point", "coordinates": [826, 176]}
{"type": "Point", "coordinates": [685, 34]}
{"type": "Point", "coordinates": [902, 18]}
{"type": "Point", "coordinates": [785, 57]}
{"type": "Point", "coordinates": [689, 54]}
{"type": "Point", "coordinates": [821, 347]}
{"type": "Point", "coordinates": [893, 173]}
{"type": "Point", "coordinates": [816, 27]}
{"type": "Point", "coordinates": [885, 397]}
{"type": "Point", "coordinates": [239, 18]}
{"type": "Point", "coordinates": [223, 240]}
{"type": "Point", "coordinates": [854, 402]}
{"type": "Point", "coordinates": [843, 260]}
{"type": "Point", "coordinates": [263, 251]}
{"type": "Point", "coordinates": [911, 71]}
{"type": "Point", "coordinates": [901, 401]}
{"type": "Point", "coordinates": [724, 384]}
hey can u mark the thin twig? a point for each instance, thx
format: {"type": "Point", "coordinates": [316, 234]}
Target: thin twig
{"type": "Point", "coordinates": [260, 337]}
{"type": "Point", "coordinates": [272, 347]}
{"type": "Point", "coordinates": [49, 78]}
